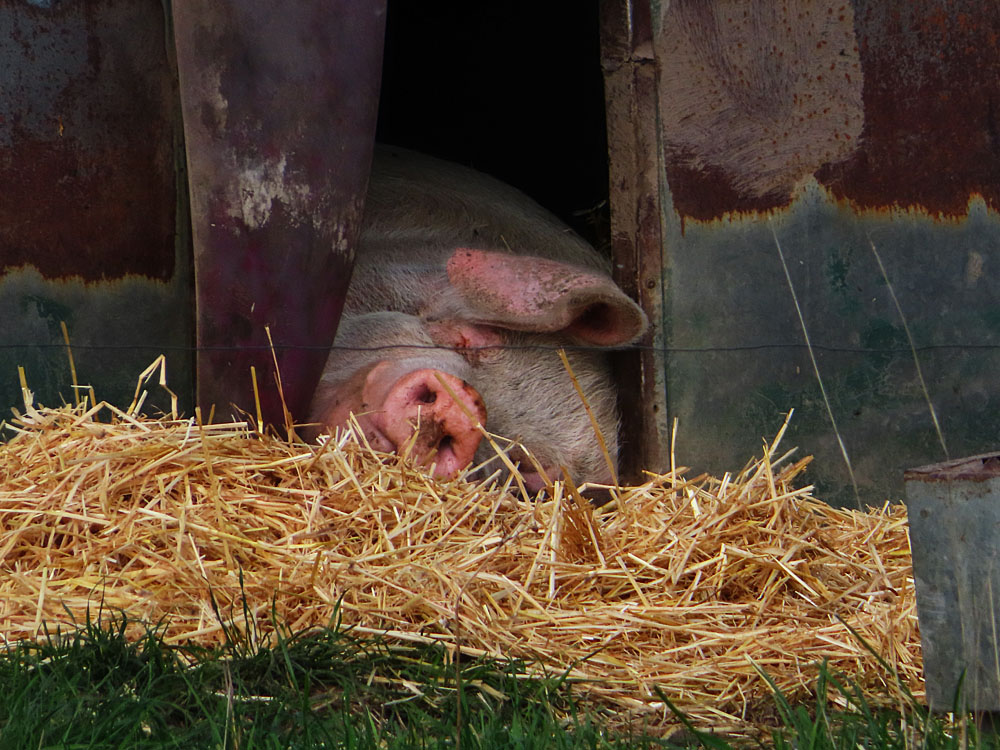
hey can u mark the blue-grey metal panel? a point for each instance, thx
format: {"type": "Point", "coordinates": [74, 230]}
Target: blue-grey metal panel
{"type": "Point", "coordinates": [954, 514]}
{"type": "Point", "coordinates": [828, 127]}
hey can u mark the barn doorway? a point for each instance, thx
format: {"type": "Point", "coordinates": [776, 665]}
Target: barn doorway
{"type": "Point", "coordinates": [512, 89]}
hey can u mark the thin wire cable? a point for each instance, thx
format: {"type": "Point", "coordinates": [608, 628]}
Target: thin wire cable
{"type": "Point", "coordinates": [786, 346]}
{"type": "Point", "coordinates": [916, 359]}
{"type": "Point", "coordinates": [815, 364]}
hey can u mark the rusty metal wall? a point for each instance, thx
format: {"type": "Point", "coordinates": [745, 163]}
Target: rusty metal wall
{"type": "Point", "coordinates": [825, 127]}
{"type": "Point", "coordinates": [92, 231]}
{"type": "Point", "coordinates": [96, 232]}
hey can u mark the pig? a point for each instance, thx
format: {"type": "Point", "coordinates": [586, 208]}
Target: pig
{"type": "Point", "coordinates": [463, 291]}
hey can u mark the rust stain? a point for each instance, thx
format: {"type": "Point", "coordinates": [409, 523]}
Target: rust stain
{"type": "Point", "coordinates": [932, 85]}
{"type": "Point", "coordinates": [753, 97]}
{"type": "Point", "coordinates": [87, 140]}
{"type": "Point", "coordinates": [887, 107]}
{"type": "Point", "coordinates": [97, 214]}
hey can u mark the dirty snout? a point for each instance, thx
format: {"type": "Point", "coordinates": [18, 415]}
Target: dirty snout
{"type": "Point", "coordinates": [438, 412]}
{"type": "Point", "coordinates": [429, 413]}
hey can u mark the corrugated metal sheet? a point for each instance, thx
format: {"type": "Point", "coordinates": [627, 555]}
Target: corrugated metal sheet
{"type": "Point", "coordinates": [827, 127]}
{"type": "Point", "coordinates": [90, 232]}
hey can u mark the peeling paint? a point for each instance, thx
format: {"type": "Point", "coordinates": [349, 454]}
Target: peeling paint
{"type": "Point", "coordinates": [259, 184]}
{"type": "Point", "coordinates": [279, 148]}
{"type": "Point", "coordinates": [974, 270]}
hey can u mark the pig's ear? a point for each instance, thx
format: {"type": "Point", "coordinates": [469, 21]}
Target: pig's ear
{"type": "Point", "coordinates": [527, 293]}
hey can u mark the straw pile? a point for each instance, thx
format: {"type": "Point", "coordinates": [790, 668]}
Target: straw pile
{"type": "Point", "coordinates": [687, 585]}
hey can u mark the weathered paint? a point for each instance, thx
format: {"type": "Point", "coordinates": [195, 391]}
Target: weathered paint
{"type": "Point", "coordinates": [754, 96]}
{"type": "Point", "coordinates": [86, 140]}
{"type": "Point", "coordinates": [954, 515]}
{"type": "Point", "coordinates": [877, 100]}
{"type": "Point", "coordinates": [116, 327]}
{"type": "Point", "coordinates": [737, 357]}
{"type": "Point", "coordinates": [932, 79]}
{"type": "Point", "coordinates": [279, 110]}
{"type": "Point", "coordinates": [90, 230]}
{"type": "Point", "coordinates": [826, 126]}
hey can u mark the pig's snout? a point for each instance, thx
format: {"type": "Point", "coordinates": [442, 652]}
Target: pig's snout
{"type": "Point", "coordinates": [446, 433]}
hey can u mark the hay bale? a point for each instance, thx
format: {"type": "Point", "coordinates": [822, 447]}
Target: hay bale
{"type": "Point", "coordinates": [685, 584]}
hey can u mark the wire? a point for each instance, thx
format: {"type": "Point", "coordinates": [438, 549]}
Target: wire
{"type": "Point", "coordinates": [962, 346]}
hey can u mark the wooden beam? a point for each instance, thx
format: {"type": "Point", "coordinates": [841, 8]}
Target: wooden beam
{"type": "Point", "coordinates": [636, 234]}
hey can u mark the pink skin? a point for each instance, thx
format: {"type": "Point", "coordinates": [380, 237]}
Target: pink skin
{"type": "Point", "coordinates": [474, 342]}
{"type": "Point", "coordinates": [541, 295]}
{"type": "Point", "coordinates": [390, 407]}
{"type": "Point", "coordinates": [533, 481]}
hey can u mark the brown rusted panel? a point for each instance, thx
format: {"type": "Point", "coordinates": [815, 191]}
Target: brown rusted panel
{"type": "Point", "coordinates": [931, 92]}
{"type": "Point", "coordinates": [86, 140]}
{"type": "Point", "coordinates": [636, 242]}
{"type": "Point", "coordinates": [755, 94]}
{"type": "Point", "coordinates": [877, 100]}
{"type": "Point", "coordinates": [92, 232]}
{"type": "Point", "coordinates": [279, 110]}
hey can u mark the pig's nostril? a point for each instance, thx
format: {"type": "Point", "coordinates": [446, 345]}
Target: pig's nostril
{"type": "Point", "coordinates": [445, 444]}
{"type": "Point", "coordinates": [424, 395]}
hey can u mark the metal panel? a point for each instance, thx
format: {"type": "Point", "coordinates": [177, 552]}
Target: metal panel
{"type": "Point", "coordinates": [279, 108]}
{"type": "Point", "coordinates": [90, 232]}
{"type": "Point", "coordinates": [828, 127]}
{"type": "Point", "coordinates": [954, 515]}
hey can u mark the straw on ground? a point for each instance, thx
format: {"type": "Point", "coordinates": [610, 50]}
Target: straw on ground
{"type": "Point", "coordinates": [686, 585]}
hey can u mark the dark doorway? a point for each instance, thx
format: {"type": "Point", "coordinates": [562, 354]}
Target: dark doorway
{"type": "Point", "coordinates": [512, 89]}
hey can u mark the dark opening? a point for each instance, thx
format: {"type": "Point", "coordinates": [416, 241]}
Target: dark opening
{"type": "Point", "coordinates": [423, 394]}
{"type": "Point", "coordinates": [512, 89]}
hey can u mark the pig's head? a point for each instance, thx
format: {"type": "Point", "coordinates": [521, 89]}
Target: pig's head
{"type": "Point", "coordinates": [454, 259]}
{"type": "Point", "coordinates": [519, 311]}
{"type": "Point", "coordinates": [489, 336]}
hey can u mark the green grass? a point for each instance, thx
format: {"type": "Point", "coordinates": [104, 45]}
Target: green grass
{"type": "Point", "coordinates": [96, 688]}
